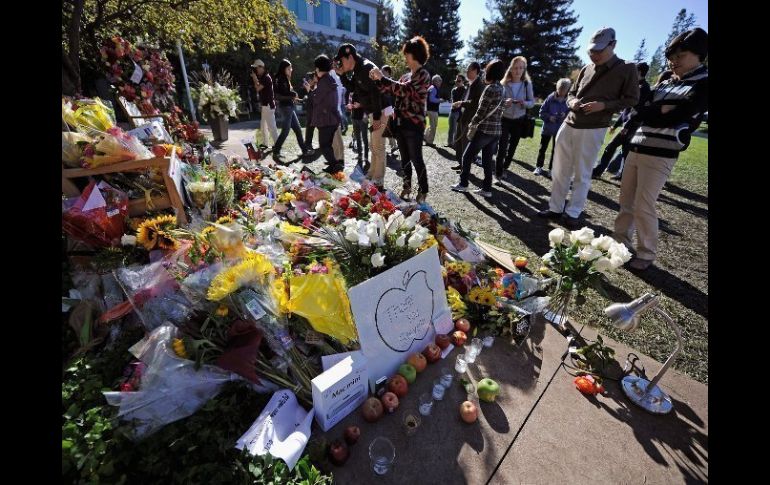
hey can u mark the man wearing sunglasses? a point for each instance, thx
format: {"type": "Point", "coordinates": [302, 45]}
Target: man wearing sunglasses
{"type": "Point", "coordinates": [606, 86]}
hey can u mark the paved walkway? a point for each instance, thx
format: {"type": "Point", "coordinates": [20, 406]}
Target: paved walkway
{"type": "Point", "coordinates": [541, 430]}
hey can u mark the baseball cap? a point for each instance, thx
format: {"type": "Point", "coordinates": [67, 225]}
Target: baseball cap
{"type": "Point", "coordinates": [258, 63]}
{"type": "Point", "coordinates": [601, 38]}
{"type": "Point", "coordinates": [344, 51]}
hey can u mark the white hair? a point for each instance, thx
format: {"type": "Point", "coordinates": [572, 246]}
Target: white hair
{"type": "Point", "coordinates": [435, 78]}
{"type": "Point", "coordinates": [563, 82]}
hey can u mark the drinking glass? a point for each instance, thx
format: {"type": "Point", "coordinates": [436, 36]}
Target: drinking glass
{"type": "Point", "coordinates": [381, 453]}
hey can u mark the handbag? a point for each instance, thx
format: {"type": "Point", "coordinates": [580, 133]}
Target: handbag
{"type": "Point", "coordinates": [472, 128]}
{"type": "Point", "coordinates": [528, 123]}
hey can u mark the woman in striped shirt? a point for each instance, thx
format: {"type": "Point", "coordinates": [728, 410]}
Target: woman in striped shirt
{"type": "Point", "coordinates": [410, 95]}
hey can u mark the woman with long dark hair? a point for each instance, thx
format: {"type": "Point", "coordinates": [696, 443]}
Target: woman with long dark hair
{"type": "Point", "coordinates": [410, 95]}
{"type": "Point", "coordinates": [286, 97]}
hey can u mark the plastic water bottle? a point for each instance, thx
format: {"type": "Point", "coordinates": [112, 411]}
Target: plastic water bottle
{"type": "Point", "coordinates": [526, 285]}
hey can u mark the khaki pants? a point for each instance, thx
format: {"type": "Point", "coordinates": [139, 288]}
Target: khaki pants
{"type": "Point", "coordinates": [430, 134]}
{"type": "Point", "coordinates": [267, 124]}
{"type": "Point", "coordinates": [575, 156]}
{"type": "Point", "coordinates": [643, 179]}
{"type": "Point", "coordinates": [377, 146]}
{"type": "Point", "coordinates": [338, 146]}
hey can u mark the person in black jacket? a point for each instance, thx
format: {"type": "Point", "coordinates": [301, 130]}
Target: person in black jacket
{"type": "Point", "coordinates": [309, 83]}
{"type": "Point", "coordinates": [368, 95]}
{"type": "Point", "coordinates": [666, 124]}
{"type": "Point", "coordinates": [469, 105]}
{"type": "Point", "coordinates": [286, 97]}
{"type": "Point", "coordinates": [457, 95]}
{"type": "Point", "coordinates": [624, 137]}
{"type": "Point", "coordinates": [360, 132]}
{"type": "Point", "coordinates": [326, 115]}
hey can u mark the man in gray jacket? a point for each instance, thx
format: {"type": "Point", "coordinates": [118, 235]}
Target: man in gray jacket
{"type": "Point", "coordinates": [606, 86]}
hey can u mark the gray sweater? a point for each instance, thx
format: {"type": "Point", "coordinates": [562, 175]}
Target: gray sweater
{"type": "Point", "coordinates": [518, 90]}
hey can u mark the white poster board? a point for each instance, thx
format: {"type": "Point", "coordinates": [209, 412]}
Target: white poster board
{"type": "Point", "coordinates": [399, 312]}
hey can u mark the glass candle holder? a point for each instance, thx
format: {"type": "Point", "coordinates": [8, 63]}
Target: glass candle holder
{"type": "Point", "coordinates": [438, 390]}
{"type": "Point", "coordinates": [446, 377]}
{"type": "Point", "coordinates": [477, 345]}
{"type": "Point", "coordinates": [411, 422]}
{"type": "Point", "coordinates": [461, 365]}
{"type": "Point", "coordinates": [489, 340]}
{"type": "Point", "coordinates": [426, 404]}
{"type": "Point", "coordinates": [382, 453]}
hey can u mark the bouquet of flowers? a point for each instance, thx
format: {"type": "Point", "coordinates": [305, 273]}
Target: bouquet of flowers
{"type": "Point", "coordinates": [216, 98]}
{"type": "Point", "coordinates": [583, 261]}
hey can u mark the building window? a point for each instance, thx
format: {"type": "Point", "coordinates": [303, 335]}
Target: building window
{"type": "Point", "coordinates": [299, 7]}
{"type": "Point", "coordinates": [362, 23]}
{"type": "Point", "coordinates": [321, 13]}
{"type": "Point", "coordinates": [343, 18]}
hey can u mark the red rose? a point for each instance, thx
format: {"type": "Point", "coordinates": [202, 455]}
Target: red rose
{"type": "Point", "coordinates": [357, 196]}
{"type": "Point", "coordinates": [351, 212]}
{"type": "Point", "coordinates": [344, 203]}
{"type": "Point", "coordinates": [373, 191]}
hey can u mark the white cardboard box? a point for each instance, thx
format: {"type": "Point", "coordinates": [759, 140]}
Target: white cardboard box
{"type": "Point", "coordinates": [340, 390]}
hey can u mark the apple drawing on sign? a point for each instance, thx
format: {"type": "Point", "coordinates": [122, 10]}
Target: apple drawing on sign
{"type": "Point", "coordinates": [413, 303]}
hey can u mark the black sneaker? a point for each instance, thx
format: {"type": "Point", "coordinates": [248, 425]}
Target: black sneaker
{"type": "Point", "coordinates": [548, 214]}
{"type": "Point", "coordinates": [571, 223]}
{"type": "Point", "coordinates": [457, 168]}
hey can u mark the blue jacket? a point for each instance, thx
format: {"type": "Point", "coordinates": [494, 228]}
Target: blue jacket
{"type": "Point", "coordinates": [553, 107]}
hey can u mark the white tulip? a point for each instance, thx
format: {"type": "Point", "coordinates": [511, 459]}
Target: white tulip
{"type": "Point", "coordinates": [416, 240]}
{"type": "Point", "coordinates": [378, 260]}
{"type": "Point", "coordinates": [616, 261]}
{"type": "Point", "coordinates": [413, 219]}
{"type": "Point", "coordinates": [401, 240]}
{"type": "Point", "coordinates": [547, 257]}
{"type": "Point", "coordinates": [556, 236]}
{"type": "Point", "coordinates": [583, 236]}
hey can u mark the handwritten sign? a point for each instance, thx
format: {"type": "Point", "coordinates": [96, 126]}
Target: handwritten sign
{"type": "Point", "coordinates": [282, 429]}
{"type": "Point", "coordinates": [399, 312]}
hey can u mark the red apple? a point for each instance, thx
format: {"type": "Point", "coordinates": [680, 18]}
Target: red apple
{"type": "Point", "coordinates": [390, 402]}
{"type": "Point", "coordinates": [417, 361]}
{"type": "Point", "coordinates": [339, 452]}
{"type": "Point", "coordinates": [442, 341]}
{"type": "Point", "coordinates": [352, 433]}
{"type": "Point", "coordinates": [398, 385]}
{"type": "Point", "coordinates": [469, 412]}
{"type": "Point", "coordinates": [432, 352]}
{"type": "Point", "coordinates": [459, 337]}
{"type": "Point", "coordinates": [462, 324]}
{"type": "Point", "coordinates": [372, 409]}
{"type": "Point", "coordinates": [520, 262]}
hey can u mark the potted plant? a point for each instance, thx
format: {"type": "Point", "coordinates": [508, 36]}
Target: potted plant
{"type": "Point", "coordinates": [217, 100]}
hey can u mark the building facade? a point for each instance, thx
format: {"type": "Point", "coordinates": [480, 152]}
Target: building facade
{"type": "Point", "coordinates": [355, 21]}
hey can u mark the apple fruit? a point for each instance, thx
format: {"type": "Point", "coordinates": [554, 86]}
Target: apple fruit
{"type": "Point", "coordinates": [469, 412]}
{"type": "Point", "coordinates": [408, 371]}
{"type": "Point", "coordinates": [339, 452]}
{"type": "Point", "coordinates": [372, 409]}
{"type": "Point", "coordinates": [417, 360]}
{"type": "Point", "coordinates": [520, 262]}
{"type": "Point", "coordinates": [442, 341]}
{"type": "Point", "coordinates": [352, 433]}
{"type": "Point", "coordinates": [397, 385]}
{"type": "Point", "coordinates": [463, 325]}
{"type": "Point", "coordinates": [432, 352]}
{"type": "Point", "coordinates": [459, 337]}
{"type": "Point", "coordinates": [487, 389]}
{"type": "Point", "coordinates": [390, 402]}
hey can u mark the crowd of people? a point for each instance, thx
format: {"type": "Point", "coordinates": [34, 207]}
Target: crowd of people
{"type": "Point", "coordinates": [489, 116]}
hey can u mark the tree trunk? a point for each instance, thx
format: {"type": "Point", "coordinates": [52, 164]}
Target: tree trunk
{"type": "Point", "coordinates": [71, 59]}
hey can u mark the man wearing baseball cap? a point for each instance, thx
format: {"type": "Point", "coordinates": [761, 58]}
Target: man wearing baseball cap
{"type": "Point", "coordinates": [606, 86]}
{"type": "Point", "coordinates": [263, 83]}
{"type": "Point", "coordinates": [368, 95]}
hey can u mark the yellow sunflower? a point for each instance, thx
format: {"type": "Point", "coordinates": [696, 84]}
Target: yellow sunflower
{"type": "Point", "coordinates": [475, 294]}
{"type": "Point", "coordinates": [254, 267]}
{"type": "Point", "coordinates": [153, 233]}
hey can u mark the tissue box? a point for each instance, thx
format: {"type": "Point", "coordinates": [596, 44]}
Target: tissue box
{"type": "Point", "coordinates": [340, 390]}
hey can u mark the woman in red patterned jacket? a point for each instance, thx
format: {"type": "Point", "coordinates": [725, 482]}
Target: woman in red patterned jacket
{"type": "Point", "coordinates": [410, 94]}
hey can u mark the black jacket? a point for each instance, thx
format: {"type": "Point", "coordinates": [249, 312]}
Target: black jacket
{"type": "Point", "coordinates": [366, 89]}
{"type": "Point", "coordinates": [457, 95]}
{"type": "Point", "coordinates": [283, 92]}
{"type": "Point", "coordinates": [472, 103]}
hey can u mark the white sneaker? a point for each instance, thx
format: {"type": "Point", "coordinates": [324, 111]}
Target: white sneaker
{"type": "Point", "coordinates": [459, 188]}
{"type": "Point", "coordinates": [482, 193]}
{"type": "Point", "coordinates": [538, 171]}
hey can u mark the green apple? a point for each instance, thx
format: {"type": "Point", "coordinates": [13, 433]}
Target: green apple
{"type": "Point", "coordinates": [488, 389]}
{"type": "Point", "coordinates": [408, 372]}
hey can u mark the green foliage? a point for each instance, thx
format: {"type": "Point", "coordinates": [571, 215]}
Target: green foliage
{"type": "Point", "coordinates": [593, 357]}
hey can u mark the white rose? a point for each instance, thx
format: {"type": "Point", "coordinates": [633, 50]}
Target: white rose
{"type": "Point", "coordinates": [401, 240]}
{"type": "Point", "coordinates": [583, 236]}
{"type": "Point", "coordinates": [547, 257]}
{"type": "Point", "coordinates": [589, 254]}
{"type": "Point", "coordinates": [413, 219]}
{"type": "Point", "coordinates": [395, 221]}
{"type": "Point", "coordinates": [603, 264]}
{"type": "Point", "coordinates": [556, 236]}
{"type": "Point", "coordinates": [378, 260]}
{"type": "Point", "coordinates": [351, 234]}
{"type": "Point", "coordinates": [363, 238]}
{"type": "Point", "coordinates": [371, 233]}
{"type": "Point", "coordinates": [416, 240]}
{"type": "Point", "coordinates": [128, 240]}
{"type": "Point", "coordinates": [602, 243]}
{"type": "Point", "coordinates": [616, 261]}
{"type": "Point", "coordinates": [620, 250]}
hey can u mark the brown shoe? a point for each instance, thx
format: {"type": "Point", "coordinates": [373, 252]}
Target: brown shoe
{"type": "Point", "coordinates": [405, 194]}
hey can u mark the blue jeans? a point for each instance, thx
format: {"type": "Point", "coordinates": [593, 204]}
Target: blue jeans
{"type": "Point", "coordinates": [289, 121]}
{"type": "Point", "coordinates": [454, 120]}
{"type": "Point", "coordinates": [487, 145]}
